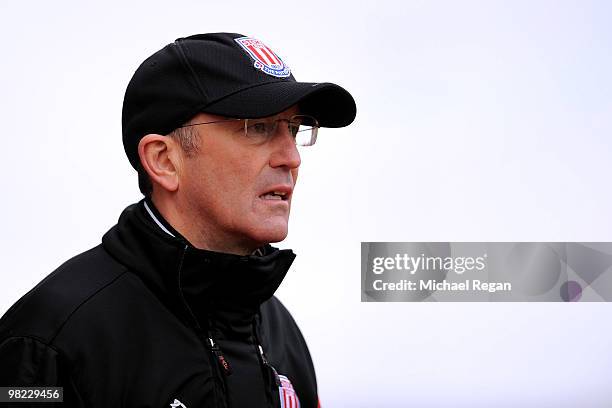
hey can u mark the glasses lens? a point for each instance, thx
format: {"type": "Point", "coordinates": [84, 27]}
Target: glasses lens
{"type": "Point", "coordinates": [258, 130]}
{"type": "Point", "coordinates": [304, 128]}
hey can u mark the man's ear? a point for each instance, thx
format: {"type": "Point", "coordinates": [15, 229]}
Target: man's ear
{"type": "Point", "coordinates": [160, 158]}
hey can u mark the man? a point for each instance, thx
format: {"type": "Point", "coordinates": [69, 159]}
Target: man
{"type": "Point", "coordinates": [175, 308]}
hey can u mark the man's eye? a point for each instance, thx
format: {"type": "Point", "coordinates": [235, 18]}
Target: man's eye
{"type": "Point", "coordinates": [258, 128]}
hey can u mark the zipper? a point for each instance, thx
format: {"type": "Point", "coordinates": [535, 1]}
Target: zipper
{"type": "Point", "coordinates": [271, 378]}
{"type": "Point", "coordinates": [223, 363]}
{"type": "Point", "coordinates": [265, 362]}
{"type": "Point", "coordinates": [218, 362]}
{"type": "Point", "coordinates": [219, 365]}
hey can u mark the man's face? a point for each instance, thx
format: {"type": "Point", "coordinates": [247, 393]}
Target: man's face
{"type": "Point", "coordinates": [230, 183]}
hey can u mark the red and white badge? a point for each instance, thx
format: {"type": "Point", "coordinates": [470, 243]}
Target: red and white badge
{"type": "Point", "coordinates": [288, 397]}
{"type": "Point", "coordinates": [263, 57]}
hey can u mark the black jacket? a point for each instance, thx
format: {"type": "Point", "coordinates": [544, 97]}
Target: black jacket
{"type": "Point", "coordinates": [147, 320]}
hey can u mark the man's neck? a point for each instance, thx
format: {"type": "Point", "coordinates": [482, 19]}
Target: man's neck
{"type": "Point", "coordinates": [193, 232]}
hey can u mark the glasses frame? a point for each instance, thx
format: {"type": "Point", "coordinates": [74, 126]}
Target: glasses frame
{"type": "Point", "coordinates": [314, 129]}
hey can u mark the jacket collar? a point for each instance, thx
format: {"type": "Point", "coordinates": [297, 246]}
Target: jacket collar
{"type": "Point", "coordinates": [199, 286]}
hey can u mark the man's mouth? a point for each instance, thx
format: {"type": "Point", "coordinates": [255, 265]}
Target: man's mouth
{"type": "Point", "coordinates": [275, 195]}
{"type": "Point", "coordinates": [280, 192]}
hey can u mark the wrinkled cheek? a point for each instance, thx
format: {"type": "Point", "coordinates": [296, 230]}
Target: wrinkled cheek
{"type": "Point", "coordinates": [240, 208]}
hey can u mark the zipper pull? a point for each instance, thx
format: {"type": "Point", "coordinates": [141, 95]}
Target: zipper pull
{"type": "Point", "coordinates": [263, 356]}
{"type": "Point", "coordinates": [223, 363]}
{"type": "Point", "coordinates": [265, 361]}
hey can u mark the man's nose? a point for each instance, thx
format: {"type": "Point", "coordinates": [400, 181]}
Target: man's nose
{"type": "Point", "coordinates": [285, 152]}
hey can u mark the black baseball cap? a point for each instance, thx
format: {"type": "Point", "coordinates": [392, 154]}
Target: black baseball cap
{"type": "Point", "coordinates": [225, 74]}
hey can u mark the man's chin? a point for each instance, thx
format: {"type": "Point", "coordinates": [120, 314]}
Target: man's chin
{"type": "Point", "coordinates": [269, 232]}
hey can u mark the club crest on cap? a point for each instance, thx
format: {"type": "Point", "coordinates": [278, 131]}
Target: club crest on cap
{"type": "Point", "coordinates": [264, 58]}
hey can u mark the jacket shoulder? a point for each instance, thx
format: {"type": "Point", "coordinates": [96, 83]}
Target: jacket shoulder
{"type": "Point", "coordinates": [27, 362]}
{"type": "Point", "coordinates": [276, 319]}
{"type": "Point", "coordinates": [42, 312]}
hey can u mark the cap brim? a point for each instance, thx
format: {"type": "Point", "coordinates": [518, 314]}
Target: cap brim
{"type": "Point", "coordinates": [329, 103]}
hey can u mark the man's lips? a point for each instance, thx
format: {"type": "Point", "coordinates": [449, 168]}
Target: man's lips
{"type": "Point", "coordinates": [279, 192]}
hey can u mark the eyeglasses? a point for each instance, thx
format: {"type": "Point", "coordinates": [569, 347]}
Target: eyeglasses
{"type": "Point", "coordinates": [303, 128]}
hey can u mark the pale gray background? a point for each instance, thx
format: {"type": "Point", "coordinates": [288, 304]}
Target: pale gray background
{"type": "Point", "coordinates": [477, 121]}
